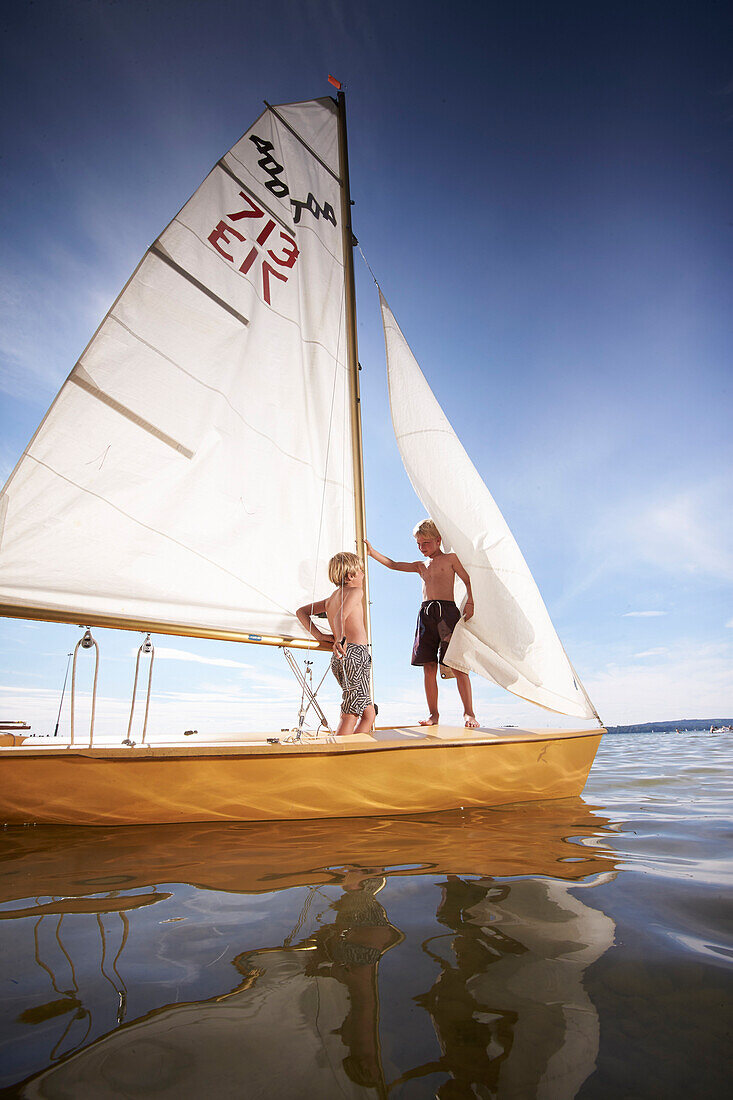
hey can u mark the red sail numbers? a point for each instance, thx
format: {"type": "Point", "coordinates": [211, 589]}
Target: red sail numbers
{"type": "Point", "coordinates": [283, 250]}
{"type": "Point", "coordinates": [246, 249]}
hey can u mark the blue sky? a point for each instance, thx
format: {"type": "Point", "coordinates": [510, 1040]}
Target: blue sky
{"type": "Point", "coordinates": [544, 192]}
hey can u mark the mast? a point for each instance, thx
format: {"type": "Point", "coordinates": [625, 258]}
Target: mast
{"type": "Point", "coordinates": [353, 353]}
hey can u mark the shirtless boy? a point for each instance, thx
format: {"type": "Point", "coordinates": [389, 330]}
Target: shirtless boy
{"type": "Point", "coordinates": [438, 615]}
{"type": "Point", "coordinates": [351, 662]}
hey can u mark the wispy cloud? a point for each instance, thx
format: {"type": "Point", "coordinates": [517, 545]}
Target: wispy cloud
{"type": "Point", "coordinates": [684, 681]}
{"type": "Point", "coordinates": [165, 653]}
{"type": "Point", "coordinates": [643, 614]}
{"type": "Point", "coordinates": [679, 535]}
{"type": "Point", "coordinates": [686, 534]}
{"type": "Point", "coordinates": [652, 652]}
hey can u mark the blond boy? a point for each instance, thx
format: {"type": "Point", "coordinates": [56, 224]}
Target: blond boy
{"type": "Point", "coordinates": [351, 662]}
{"type": "Point", "coordinates": [438, 615]}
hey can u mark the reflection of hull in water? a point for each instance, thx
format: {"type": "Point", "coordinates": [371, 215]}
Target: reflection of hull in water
{"type": "Point", "coordinates": [405, 770]}
{"type": "Point", "coordinates": [250, 858]}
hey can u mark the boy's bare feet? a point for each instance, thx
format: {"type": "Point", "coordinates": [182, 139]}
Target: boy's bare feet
{"type": "Point", "coordinates": [433, 720]}
{"type": "Point", "coordinates": [470, 721]}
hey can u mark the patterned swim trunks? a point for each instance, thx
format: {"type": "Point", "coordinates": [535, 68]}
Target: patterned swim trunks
{"type": "Point", "coordinates": [352, 674]}
{"type": "Point", "coordinates": [435, 624]}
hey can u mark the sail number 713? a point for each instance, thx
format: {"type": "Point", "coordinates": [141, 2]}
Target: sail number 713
{"type": "Point", "coordinates": [284, 252]}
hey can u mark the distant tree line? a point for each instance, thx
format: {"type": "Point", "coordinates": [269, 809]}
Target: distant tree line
{"type": "Point", "coordinates": [670, 727]}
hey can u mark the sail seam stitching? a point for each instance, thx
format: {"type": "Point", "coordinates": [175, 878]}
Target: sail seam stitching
{"type": "Point", "coordinates": [159, 251]}
{"type": "Point", "coordinates": [211, 389]}
{"type": "Point", "coordinates": [302, 141]}
{"type": "Point", "coordinates": [161, 534]}
{"type": "Point", "coordinates": [426, 431]}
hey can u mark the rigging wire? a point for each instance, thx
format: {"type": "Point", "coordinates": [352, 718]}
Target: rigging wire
{"type": "Point", "coordinates": [63, 692]}
{"type": "Point", "coordinates": [366, 261]}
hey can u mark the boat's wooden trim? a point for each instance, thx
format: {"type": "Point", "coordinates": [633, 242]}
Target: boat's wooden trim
{"type": "Point", "coordinates": [152, 626]}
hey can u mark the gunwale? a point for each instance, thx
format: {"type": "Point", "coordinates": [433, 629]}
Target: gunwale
{"type": "Point", "coordinates": [407, 737]}
{"type": "Point", "coordinates": [117, 785]}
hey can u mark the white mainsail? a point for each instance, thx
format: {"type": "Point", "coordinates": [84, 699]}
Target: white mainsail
{"type": "Point", "coordinates": [510, 638]}
{"type": "Point", "coordinates": [195, 469]}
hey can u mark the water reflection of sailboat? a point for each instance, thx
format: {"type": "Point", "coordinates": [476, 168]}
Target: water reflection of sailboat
{"type": "Point", "coordinates": [509, 1006]}
{"type": "Point", "coordinates": [304, 1018]}
{"type": "Point", "coordinates": [72, 1003]}
{"type": "Point", "coordinates": [346, 953]}
{"type": "Point", "coordinates": [311, 1006]}
{"type": "Point", "coordinates": [253, 857]}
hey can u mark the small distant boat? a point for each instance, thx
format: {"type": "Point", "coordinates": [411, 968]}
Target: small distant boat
{"type": "Point", "coordinates": [219, 395]}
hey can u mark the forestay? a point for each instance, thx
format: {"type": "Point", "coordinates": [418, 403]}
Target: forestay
{"type": "Point", "coordinates": [195, 468]}
{"type": "Point", "coordinates": [510, 638]}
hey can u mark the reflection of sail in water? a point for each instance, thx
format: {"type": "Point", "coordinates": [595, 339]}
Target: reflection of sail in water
{"type": "Point", "coordinates": [347, 953]}
{"type": "Point", "coordinates": [305, 1018]}
{"type": "Point", "coordinates": [509, 1007]}
{"type": "Point", "coordinates": [274, 1032]}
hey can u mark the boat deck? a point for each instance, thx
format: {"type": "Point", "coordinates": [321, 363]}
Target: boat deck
{"type": "Point", "coordinates": [253, 745]}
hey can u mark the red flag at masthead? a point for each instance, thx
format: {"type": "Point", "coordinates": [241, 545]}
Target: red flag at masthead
{"type": "Point", "coordinates": [336, 83]}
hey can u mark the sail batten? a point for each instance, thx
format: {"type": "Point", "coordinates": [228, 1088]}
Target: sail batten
{"type": "Point", "coordinates": [273, 213]}
{"type": "Point", "coordinates": [510, 639]}
{"type": "Point", "coordinates": [80, 378]}
{"type": "Point", "coordinates": [191, 473]}
{"type": "Point", "coordinates": [160, 252]}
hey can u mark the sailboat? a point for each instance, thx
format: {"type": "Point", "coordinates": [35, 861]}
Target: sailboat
{"type": "Point", "coordinates": [215, 410]}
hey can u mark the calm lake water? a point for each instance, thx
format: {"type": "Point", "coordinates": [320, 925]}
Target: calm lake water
{"type": "Point", "coordinates": [572, 948]}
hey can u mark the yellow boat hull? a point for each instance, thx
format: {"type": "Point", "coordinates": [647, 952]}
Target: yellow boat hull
{"type": "Point", "coordinates": [402, 771]}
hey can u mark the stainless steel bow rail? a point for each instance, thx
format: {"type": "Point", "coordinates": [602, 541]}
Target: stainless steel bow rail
{"type": "Point", "coordinates": [85, 642]}
{"type": "Point", "coordinates": [308, 697]}
{"type": "Point", "coordinates": [146, 647]}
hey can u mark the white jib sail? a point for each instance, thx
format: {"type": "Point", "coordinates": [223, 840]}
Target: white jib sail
{"type": "Point", "coordinates": [510, 638]}
{"type": "Point", "coordinates": [195, 467]}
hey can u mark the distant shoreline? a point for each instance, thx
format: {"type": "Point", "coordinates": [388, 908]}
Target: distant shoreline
{"type": "Point", "coordinates": [670, 727]}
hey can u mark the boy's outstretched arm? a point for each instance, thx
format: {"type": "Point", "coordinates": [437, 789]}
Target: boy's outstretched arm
{"type": "Point", "coordinates": [463, 575]}
{"type": "Point", "coordinates": [400, 566]}
{"type": "Point", "coordinates": [303, 615]}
